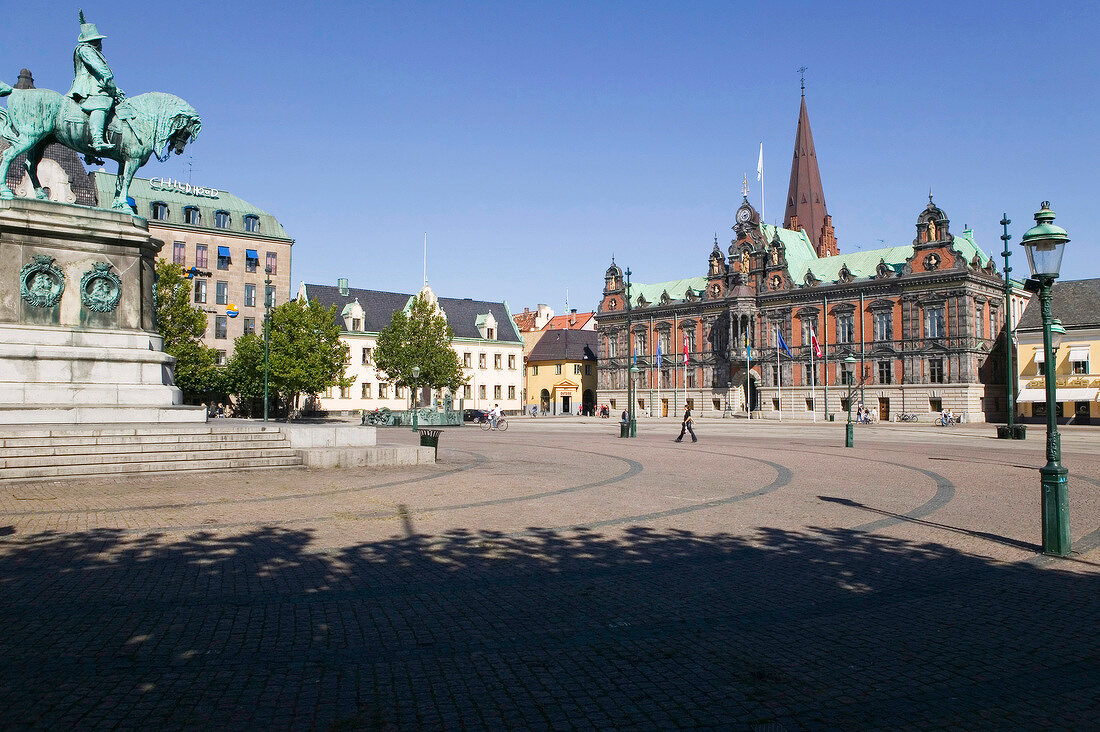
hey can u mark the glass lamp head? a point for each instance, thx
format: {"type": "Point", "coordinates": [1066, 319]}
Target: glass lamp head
{"type": "Point", "coordinates": [1057, 333]}
{"type": "Point", "coordinates": [1044, 244]}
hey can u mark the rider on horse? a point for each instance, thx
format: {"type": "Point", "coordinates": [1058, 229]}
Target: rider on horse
{"type": "Point", "coordinates": [94, 86]}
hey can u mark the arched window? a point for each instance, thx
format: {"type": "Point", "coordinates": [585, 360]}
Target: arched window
{"type": "Point", "coordinates": [192, 215]}
{"type": "Point", "coordinates": [252, 223]}
{"type": "Point", "coordinates": [160, 210]}
{"type": "Point", "coordinates": [221, 219]}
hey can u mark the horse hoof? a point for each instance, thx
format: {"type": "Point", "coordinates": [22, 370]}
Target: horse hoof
{"type": "Point", "coordinates": [6, 195]}
{"type": "Point", "coordinates": [41, 194]}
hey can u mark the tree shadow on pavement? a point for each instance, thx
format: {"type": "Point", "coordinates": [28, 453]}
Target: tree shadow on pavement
{"type": "Point", "coordinates": [546, 630]}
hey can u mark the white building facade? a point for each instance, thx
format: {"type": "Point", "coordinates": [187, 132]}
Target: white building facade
{"type": "Point", "coordinates": [486, 342]}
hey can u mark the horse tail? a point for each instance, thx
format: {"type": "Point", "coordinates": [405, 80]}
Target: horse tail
{"type": "Point", "coordinates": [7, 130]}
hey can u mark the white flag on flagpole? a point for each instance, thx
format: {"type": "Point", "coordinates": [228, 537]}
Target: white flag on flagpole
{"type": "Point", "coordinates": [760, 164]}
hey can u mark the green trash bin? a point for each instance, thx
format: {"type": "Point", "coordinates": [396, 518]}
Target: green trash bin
{"type": "Point", "coordinates": [430, 438]}
{"type": "Point", "coordinates": [624, 429]}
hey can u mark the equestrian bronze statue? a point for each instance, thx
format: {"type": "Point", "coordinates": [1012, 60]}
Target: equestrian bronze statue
{"type": "Point", "coordinates": [96, 119]}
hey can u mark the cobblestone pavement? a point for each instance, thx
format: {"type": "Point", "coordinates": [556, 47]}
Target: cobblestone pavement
{"type": "Point", "coordinates": [555, 577]}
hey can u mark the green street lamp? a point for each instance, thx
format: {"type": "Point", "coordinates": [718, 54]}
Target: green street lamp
{"type": "Point", "coordinates": [632, 424]}
{"type": "Point", "coordinates": [267, 333]}
{"type": "Point", "coordinates": [416, 395]}
{"type": "Point", "coordinates": [1044, 245]}
{"type": "Point", "coordinates": [849, 430]}
{"type": "Point", "coordinates": [1011, 430]}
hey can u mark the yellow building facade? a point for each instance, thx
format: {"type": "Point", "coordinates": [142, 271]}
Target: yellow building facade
{"type": "Point", "coordinates": [560, 375]}
{"type": "Point", "coordinates": [1076, 359]}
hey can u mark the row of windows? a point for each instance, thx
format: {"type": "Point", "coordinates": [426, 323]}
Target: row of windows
{"type": "Point", "coordinates": [366, 389]}
{"type": "Point", "coordinates": [202, 259]}
{"type": "Point", "coordinates": [221, 326]}
{"type": "Point", "coordinates": [558, 368]}
{"type": "Point", "coordinates": [221, 293]}
{"type": "Point", "coordinates": [883, 321]}
{"type": "Point", "coordinates": [1076, 367]}
{"type": "Point", "coordinates": [467, 360]}
{"type": "Point", "coordinates": [159, 211]}
{"type": "Point", "coordinates": [884, 369]}
{"type": "Point", "coordinates": [664, 341]}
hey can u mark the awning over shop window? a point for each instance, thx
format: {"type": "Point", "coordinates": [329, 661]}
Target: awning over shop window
{"type": "Point", "coordinates": [223, 251]}
{"type": "Point", "coordinates": [1080, 394]}
{"type": "Point", "coordinates": [251, 254]}
{"type": "Point", "coordinates": [1078, 353]}
{"type": "Point", "coordinates": [1040, 357]}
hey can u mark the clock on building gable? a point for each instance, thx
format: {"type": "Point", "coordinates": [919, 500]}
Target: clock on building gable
{"type": "Point", "coordinates": [746, 215]}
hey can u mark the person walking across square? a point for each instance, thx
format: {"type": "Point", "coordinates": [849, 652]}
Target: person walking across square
{"type": "Point", "coordinates": [686, 426]}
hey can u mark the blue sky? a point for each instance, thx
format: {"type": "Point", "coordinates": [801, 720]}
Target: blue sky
{"type": "Point", "coordinates": [533, 140]}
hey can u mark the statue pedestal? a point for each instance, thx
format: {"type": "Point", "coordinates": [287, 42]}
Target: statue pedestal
{"type": "Point", "coordinates": [78, 343]}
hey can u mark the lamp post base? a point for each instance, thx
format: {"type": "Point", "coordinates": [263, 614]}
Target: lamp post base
{"type": "Point", "coordinates": [1055, 510]}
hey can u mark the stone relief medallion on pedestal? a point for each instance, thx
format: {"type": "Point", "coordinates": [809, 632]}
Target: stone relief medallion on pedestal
{"type": "Point", "coordinates": [41, 282]}
{"type": "Point", "coordinates": [100, 288]}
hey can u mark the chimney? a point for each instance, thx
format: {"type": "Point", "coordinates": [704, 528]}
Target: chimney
{"type": "Point", "coordinates": [573, 317]}
{"type": "Point", "coordinates": [342, 284]}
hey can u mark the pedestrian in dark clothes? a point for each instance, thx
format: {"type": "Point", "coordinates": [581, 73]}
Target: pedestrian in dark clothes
{"type": "Point", "coordinates": [686, 427]}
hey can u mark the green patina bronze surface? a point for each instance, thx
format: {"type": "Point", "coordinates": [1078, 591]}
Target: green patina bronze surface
{"type": "Point", "coordinates": [41, 282]}
{"type": "Point", "coordinates": [100, 288]}
{"type": "Point", "coordinates": [94, 118]}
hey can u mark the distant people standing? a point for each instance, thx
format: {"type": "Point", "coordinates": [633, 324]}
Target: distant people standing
{"type": "Point", "coordinates": [686, 426]}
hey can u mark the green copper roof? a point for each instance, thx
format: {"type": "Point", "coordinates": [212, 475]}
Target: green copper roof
{"type": "Point", "coordinates": [801, 256]}
{"type": "Point", "coordinates": [676, 289]}
{"type": "Point", "coordinates": [965, 243]}
{"type": "Point", "coordinates": [144, 194]}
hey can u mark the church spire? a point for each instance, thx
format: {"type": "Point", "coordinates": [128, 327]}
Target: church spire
{"type": "Point", "coordinates": [805, 196]}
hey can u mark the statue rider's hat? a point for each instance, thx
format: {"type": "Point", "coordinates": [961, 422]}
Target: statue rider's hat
{"type": "Point", "coordinates": [88, 31]}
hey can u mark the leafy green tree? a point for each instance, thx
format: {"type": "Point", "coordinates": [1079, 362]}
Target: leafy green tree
{"type": "Point", "coordinates": [420, 337]}
{"type": "Point", "coordinates": [307, 355]}
{"type": "Point", "coordinates": [245, 373]}
{"type": "Point", "coordinates": [182, 326]}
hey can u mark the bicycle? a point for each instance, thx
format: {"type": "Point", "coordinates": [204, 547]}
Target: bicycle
{"type": "Point", "coordinates": [907, 417]}
{"type": "Point", "coordinates": [947, 421]}
{"type": "Point", "coordinates": [502, 424]}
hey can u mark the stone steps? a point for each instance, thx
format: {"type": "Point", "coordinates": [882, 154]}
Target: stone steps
{"type": "Point", "coordinates": [70, 452]}
{"type": "Point", "coordinates": [74, 445]}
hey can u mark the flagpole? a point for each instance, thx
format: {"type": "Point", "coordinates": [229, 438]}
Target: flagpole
{"type": "Point", "coordinates": [813, 382]}
{"type": "Point", "coordinates": [760, 177]}
{"type": "Point", "coordinates": [658, 405]}
{"type": "Point", "coordinates": [825, 349]}
{"type": "Point", "coordinates": [778, 373]}
{"type": "Point", "coordinates": [748, 376]}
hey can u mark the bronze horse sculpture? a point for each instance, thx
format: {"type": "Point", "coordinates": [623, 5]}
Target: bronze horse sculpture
{"type": "Point", "coordinates": [140, 126]}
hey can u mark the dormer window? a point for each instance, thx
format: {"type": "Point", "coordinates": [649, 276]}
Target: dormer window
{"type": "Point", "coordinates": [192, 215]}
{"type": "Point", "coordinates": [490, 334]}
{"type": "Point", "coordinates": [252, 223]}
{"type": "Point", "coordinates": [221, 219]}
{"type": "Point", "coordinates": [356, 324]}
{"type": "Point", "coordinates": [160, 210]}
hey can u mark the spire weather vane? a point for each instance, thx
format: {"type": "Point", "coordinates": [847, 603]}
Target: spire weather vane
{"type": "Point", "coordinates": [745, 186]}
{"type": "Point", "coordinates": [802, 70]}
